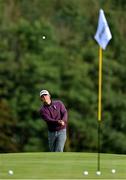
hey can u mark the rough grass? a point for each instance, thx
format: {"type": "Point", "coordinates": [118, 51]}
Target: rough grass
{"type": "Point", "coordinates": [61, 166]}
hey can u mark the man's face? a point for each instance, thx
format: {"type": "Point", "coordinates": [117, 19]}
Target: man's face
{"type": "Point", "coordinates": [46, 98]}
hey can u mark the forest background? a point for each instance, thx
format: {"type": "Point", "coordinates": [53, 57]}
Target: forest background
{"type": "Point", "coordinates": [65, 63]}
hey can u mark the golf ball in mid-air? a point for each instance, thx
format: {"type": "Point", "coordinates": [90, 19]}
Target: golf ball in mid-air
{"type": "Point", "coordinates": [113, 171]}
{"type": "Point", "coordinates": [98, 172]}
{"type": "Point", "coordinates": [10, 172]}
{"type": "Point", "coordinates": [85, 172]}
{"type": "Point", "coordinates": [43, 37]}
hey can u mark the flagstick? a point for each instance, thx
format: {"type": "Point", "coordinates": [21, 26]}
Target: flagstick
{"type": "Point", "coordinates": [100, 84]}
{"type": "Point", "coordinates": [99, 133]}
{"type": "Point", "coordinates": [99, 104]}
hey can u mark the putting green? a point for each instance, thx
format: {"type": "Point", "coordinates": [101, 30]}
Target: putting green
{"type": "Point", "coordinates": [61, 166]}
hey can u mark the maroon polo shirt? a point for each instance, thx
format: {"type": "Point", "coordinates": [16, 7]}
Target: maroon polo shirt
{"type": "Point", "coordinates": [52, 113]}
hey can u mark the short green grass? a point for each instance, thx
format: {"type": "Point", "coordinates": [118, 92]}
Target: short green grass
{"type": "Point", "coordinates": [61, 166]}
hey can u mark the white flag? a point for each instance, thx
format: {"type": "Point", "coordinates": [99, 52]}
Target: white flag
{"type": "Point", "coordinates": [103, 34]}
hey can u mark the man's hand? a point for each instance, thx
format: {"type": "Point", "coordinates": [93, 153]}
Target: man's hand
{"type": "Point", "coordinates": [61, 122]}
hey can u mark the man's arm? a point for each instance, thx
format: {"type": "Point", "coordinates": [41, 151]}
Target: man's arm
{"type": "Point", "coordinates": [44, 115]}
{"type": "Point", "coordinates": [64, 113]}
{"type": "Point", "coordinates": [48, 119]}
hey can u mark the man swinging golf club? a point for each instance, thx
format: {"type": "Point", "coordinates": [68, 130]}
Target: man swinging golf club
{"type": "Point", "coordinates": [55, 115]}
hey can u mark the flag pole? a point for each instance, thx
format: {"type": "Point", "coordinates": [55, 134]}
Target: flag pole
{"type": "Point", "coordinates": [102, 36]}
{"type": "Point", "coordinates": [100, 84]}
{"type": "Point", "coordinates": [99, 105]}
{"type": "Point", "coordinates": [99, 146]}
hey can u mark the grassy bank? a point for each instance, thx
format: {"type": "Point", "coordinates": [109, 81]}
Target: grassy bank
{"type": "Point", "coordinates": [61, 166]}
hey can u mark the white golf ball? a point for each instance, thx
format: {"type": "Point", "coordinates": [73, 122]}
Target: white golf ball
{"type": "Point", "coordinates": [86, 173]}
{"type": "Point", "coordinates": [10, 172]}
{"type": "Point", "coordinates": [43, 37]}
{"type": "Point", "coordinates": [113, 171]}
{"type": "Point", "coordinates": [98, 173]}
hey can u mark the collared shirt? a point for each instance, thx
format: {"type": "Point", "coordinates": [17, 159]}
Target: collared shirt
{"type": "Point", "coordinates": [52, 113]}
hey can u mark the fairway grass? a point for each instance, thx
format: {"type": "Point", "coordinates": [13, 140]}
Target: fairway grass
{"type": "Point", "coordinates": [61, 166]}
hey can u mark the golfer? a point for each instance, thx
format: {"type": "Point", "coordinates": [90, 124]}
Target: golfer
{"type": "Point", "coordinates": [54, 114]}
